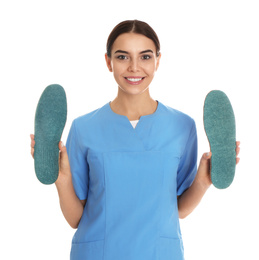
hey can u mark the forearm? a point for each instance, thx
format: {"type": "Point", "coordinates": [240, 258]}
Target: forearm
{"type": "Point", "coordinates": [190, 199]}
{"type": "Point", "coordinates": [72, 208]}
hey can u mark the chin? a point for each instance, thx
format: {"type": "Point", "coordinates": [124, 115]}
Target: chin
{"type": "Point", "coordinates": [133, 91]}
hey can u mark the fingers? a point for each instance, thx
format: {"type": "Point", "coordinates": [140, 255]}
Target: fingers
{"type": "Point", "coordinates": [32, 145]}
{"type": "Point", "coordinates": [237, 147]}
{"type": "Point", "coordinates": [61, 146]}
{"type": "Point", "coordinates": [32, 152]}
{"type": "Point", "coordinates": [207, 156]}
{"type": "Point", "coordinates": [32, 140]}
{"type": "Point", "coordinates": [237, 151]}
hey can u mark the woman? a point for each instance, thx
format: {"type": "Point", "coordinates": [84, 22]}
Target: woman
{"type": "Point", "coordinates": [129, 171]}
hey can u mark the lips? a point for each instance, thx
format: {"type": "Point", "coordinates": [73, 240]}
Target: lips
{"type": "Point", "coordinates": [134, 80]}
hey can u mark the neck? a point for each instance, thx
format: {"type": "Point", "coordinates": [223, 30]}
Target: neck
{"type": "Point", "coordinates": [133, 106]}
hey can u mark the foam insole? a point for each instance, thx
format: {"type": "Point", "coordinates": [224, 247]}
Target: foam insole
{"type": "Point", "coordinates": [220, 128]}
{"type": "Point", "coordinates": [50, 119]}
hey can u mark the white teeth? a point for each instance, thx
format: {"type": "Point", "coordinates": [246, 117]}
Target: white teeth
{"type": "Point", "coordinates": [134, 79]}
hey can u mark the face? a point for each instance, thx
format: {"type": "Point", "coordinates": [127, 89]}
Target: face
{"type": "Point", "coordinates": [133, 62]}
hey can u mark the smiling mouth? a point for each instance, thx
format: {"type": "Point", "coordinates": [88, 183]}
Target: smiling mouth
{"type": "Point", "coordinates": [134, 80]}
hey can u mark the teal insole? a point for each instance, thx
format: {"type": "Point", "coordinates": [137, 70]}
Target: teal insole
{"type": "Point", "coordinates": [219, 124]}
{"type": "Point", "coordinates": [50, 119]}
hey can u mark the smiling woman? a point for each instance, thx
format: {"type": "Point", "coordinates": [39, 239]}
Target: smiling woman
{"type": "Point", "coordinates": [125, 187]}
{"type": "Point", "coordinates": [133, 55]}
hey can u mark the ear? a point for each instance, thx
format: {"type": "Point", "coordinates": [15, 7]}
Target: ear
{"type": "Point", "coordinates": [158, 61]}
{"type": "Point", "coordinates": [108, 62]}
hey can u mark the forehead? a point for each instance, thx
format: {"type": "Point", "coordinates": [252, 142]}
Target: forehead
{"type": "Point", "coordinates": [133, 42]}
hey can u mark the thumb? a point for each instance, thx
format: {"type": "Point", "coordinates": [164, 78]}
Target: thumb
{"type": "Point", "coordinates": [206, 156]}
{"type": "Point", "coordinates": [60, 146]}
{"type": "Point", "coordinates": [64, 162]}
{"type": "Point", "coordinates": [204, 168]}
{"type": "Point", "coordinates": [205, 159]}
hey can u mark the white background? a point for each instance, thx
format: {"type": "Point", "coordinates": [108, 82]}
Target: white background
{"type": "Point", "coordinates": [205, 45]}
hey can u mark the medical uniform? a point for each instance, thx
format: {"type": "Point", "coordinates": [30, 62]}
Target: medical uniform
{"type": "Point", "coordinates": [131, 178]}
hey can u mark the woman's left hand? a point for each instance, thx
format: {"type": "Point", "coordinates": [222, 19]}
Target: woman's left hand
{"type": "Point", "coordinates": [204, 168]}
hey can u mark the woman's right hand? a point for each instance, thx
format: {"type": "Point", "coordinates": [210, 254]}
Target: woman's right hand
{"type": "Point", "coordinates": [64, 167]}
{"type": "Point", "coordinates": [70, 204]}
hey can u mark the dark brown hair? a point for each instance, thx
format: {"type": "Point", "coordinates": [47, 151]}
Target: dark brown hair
{"type": "Point", "coordinates": [134, 26]}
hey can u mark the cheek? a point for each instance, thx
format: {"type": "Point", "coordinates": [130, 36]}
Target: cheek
{"type": "Point", "coordinates": [118, 68]}
{"type": "Point", "coordinates": [151, 69]}
{"type": "Point", "coordinates": [118, 71]}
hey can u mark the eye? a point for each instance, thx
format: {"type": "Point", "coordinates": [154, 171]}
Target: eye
{"type": "Point", "coordinates": [146, 57]}
{"type": "Point", "coordinates": [122, 57]}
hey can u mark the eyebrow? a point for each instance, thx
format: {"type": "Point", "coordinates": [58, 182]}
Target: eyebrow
{"type": "Point", "coordinates": [120, 51]}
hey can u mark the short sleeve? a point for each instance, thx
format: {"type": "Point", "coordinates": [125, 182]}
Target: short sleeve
{"type": "Point", "coordinates": [188, 163]}
{"type": "Point", "coordinates": [78, 163]}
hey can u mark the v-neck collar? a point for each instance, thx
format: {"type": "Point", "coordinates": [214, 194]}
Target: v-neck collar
{"type": "Point", "coordinates": [149, 116]}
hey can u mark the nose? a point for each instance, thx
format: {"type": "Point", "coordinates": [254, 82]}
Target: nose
{"type": "Point", "coordinates": [134, 66]}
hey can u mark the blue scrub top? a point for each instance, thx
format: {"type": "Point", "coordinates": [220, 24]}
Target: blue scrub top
{"type": "Point", "coordinates": [131, 178]}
